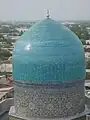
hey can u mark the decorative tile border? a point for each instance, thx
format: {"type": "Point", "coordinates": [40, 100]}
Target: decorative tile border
{"type": "Point", "coordinates": [59, 85]}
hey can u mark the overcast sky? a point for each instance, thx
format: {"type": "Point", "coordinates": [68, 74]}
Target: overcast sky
{"type": "Point", "coordinates": [36, 9]}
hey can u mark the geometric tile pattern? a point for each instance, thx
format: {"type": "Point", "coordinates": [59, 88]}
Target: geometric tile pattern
{"type": "Point", "coordinates": [41, 102]}
{"type": "Point", "coordinates": [14, 117]}
{"type": "Point", "coordinates": [11, 117]}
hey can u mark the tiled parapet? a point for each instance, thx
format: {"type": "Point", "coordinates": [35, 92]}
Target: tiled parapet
{"type": "Point", "coordinates": [49, 100]}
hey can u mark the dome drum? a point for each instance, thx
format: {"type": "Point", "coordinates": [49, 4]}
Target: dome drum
{"type": "Point", "coordinates": [49, 100]}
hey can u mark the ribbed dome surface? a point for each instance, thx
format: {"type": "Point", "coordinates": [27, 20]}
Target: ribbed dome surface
{"type": "Point", "coordinates": [48, 52]}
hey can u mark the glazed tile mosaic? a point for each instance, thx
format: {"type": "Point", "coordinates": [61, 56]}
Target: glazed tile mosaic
{"type": "Point", "coordinates": [13, 116]}
{"type": "Point", "coordinates": [48, 102]}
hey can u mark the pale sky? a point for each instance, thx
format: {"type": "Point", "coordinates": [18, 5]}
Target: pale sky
{"type": "Point", "coordinates": [36, 9]}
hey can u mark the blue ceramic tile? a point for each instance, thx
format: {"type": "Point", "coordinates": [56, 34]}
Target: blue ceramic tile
{"type": "Point", "coordinates": [48, 52]}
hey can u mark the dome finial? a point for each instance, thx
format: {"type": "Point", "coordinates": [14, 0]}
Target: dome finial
{"type": "Point", "coordinates": [48, 14]}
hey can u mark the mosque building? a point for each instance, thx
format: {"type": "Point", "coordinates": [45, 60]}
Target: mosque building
{"type": "Point", "coordinates": [49, 72]}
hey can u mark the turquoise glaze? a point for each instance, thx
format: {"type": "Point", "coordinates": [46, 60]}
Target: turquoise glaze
{"type": "Point", "coordinates": [48, 52]}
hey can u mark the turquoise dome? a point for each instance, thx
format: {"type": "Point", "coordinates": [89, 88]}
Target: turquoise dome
{"type": "Point", "coordinates": [48, 52]}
